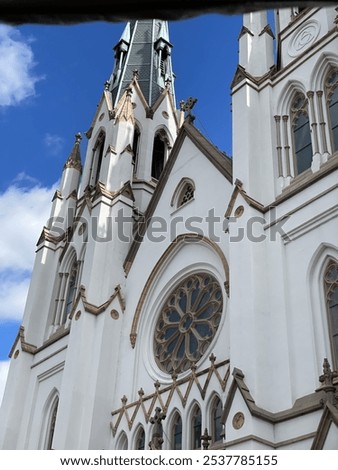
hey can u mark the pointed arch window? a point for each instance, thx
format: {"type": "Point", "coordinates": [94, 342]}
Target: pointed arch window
{"type": "Point", "coordinates": [301, 133]}
{"type": "Point", "coordinates": [331, 86]}
{"type": "Point", "coordinates": [51, 425]}
{"type": "Point", "coordinates": [331, 294]}
{"type": "Point", "coordinates": [140, 439]}
{"type": "Point", "coordinates": [160, 150]}
{"type": "Point", "coordinates": [122, 443]}
{"type": "Point", "coordinates": [216, 420]}
{"type": "Point", "coordinates": [196, 428]}
{"type": "Point", "coordinates": [176, 434]}
{"type": "Point", "coordinates": [97, 159]}
{"type": "Point", "coordinates": [66, 293]}
{"type": "Point", "coordinates": [71, 290]}
{"type": "Point", "coordinates": [187, 193]}
{"type": "Point", "coordinates": [136, 144]}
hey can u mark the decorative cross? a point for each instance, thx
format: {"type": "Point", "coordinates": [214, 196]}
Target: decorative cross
{"type": "Point", "coordinates": [157, 434]}
{"type": "Point", "coordinates": [187, 106]}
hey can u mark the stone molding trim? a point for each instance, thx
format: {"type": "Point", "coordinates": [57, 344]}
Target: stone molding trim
{"type": "Point", "coordinates": [162, 397]}
{"type": "Point", "coordinates": [97, 309]}
{"type": "Point", "coordinates": [251, 202]}
{"type": "Point", "coordinates": [306, 404]}
{"type": "Point", "coordinates": [25, 346]}
{"type": "Point", "coordinates": [329, 416]}
{"type": "Point", "coordinates": [320, 399]}
{"type": "Point", "coordinates": [183, 238]}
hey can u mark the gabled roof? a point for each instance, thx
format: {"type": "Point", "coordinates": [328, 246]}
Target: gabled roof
{"type": "Point", "coordinates": [222, 162]}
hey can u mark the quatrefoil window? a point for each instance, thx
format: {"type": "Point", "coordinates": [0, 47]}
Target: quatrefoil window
{"type": "Point", "coordinates": [187, 323]}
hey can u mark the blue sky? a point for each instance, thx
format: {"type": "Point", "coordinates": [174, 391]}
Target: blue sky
{"type": "Point", "coordinates": [51, 79]}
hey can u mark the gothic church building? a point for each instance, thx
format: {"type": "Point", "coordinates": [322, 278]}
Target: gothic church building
{"type": "Point", "coordinates": [174, 281]}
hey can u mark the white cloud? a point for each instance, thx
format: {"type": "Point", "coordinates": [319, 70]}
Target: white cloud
{"type": "Point", "coordinates": [4, 366]}
{"type": "Point", "coordinates": [13, 293]}
{"type": "Point", "coordinates": [17, 78]}
{"type": "Point", "coordinates": [23, 213]}
{"type": "Point", "coordinates": [54, 143]}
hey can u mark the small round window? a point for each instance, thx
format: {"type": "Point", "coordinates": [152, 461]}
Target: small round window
{"type": "Point", "coordinates": [187, 323]}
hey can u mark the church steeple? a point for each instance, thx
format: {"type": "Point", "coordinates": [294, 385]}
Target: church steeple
{"type": "Point", "coordinates": [143, 47]}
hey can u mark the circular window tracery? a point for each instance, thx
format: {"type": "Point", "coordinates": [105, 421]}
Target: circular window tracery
{"type": "Point", "coordinates": [187, 323]}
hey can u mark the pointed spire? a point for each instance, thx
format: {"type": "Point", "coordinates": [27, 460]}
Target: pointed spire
{"type": "Point", "coordinates": [144, 46]}
{"type": "Point", "coordinates": [74, 159]}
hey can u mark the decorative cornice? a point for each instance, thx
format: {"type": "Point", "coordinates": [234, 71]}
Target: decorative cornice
{"type": "Point", "coordinates": [238, 189]}
{"type": "Point", "coordinates": [267, 29]}
{"type": "Point", "coordinates": [241, 74]}
{"type": "Point", "coordinates": [98, 309]}
{"type": "Point", "coordinates": [25, 346]}
{"type": "Point", "coordinates": [46, 236]}
{"type": "Point", "coordinates": [57, 195]}
{"type": "Point", "coordinates": [302, 406]}
{"type": "Point", "coordinates": [244, 31]}
{"type": "Point", "coordinates": [101, 190]}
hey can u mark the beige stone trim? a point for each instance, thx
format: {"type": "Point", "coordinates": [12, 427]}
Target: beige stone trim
{"type": "Point", "coordinates": [329, 416]}
{"type": "Point", "coordinates": [306, 404]}
{"type": "Point", "coordinates": [238, 189]}
{"type": "Point", "coordinates": [242, 78]}
{"type": "Point", "coordinates": [265, 442]}
{"type": "Point", "coordinates": [97, 309]}
{"type": "Point", "coordinates": [25, 346]}
{"type": "Point", "coordinates": [183, 238]}
{"type": "Point", "coordinates": [162, 397]}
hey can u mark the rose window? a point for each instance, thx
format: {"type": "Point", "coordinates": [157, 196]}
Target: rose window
{"type": "Point", "coordinates": [187, 323]}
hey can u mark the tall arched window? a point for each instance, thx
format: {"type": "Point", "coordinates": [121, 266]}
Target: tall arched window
{"type": "Point", "coordinates": [70, 291]}
{"type": "Point", "coordinates": [97, 159]}
{"type": "Point", "coordinates": [66, 291]}
{"type": "Point", "coordinates": [140, 439]}
{"type": "Point", "coordinates": [122, 443]}
{"type": "Point", "coordinates": [176, 434]}
{"type": "Point", "coordinates": [136, 143]}
{"type": "Point", "coordinates": [196, 427]}
{"type": "Point", "coordinates": [301, 133]}
{"type": "Point", "coordinates": [216, 420]}
{"type": "Point", "coordinates": [160, 149]}
{"type": "Point", "coordinates": [331, 85]}
{"type": "Point", "coordinates": [331, 294]}
{"type": "Point", "coordinates": [51, 425]}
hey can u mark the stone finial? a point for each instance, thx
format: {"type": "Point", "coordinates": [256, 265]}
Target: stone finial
{"type": "Point", "coordinates": [106, 85]}
{"type": "Point", "coordinates": [327, 386]}
{"type": "Point", "coordinates": [157, 432]}
{"type": "Point", "coordinates": [135, 74]}
{"type": "Point", "coordinates": [327, 378]}
{"type": "Point", "coordinates": [205, 439]}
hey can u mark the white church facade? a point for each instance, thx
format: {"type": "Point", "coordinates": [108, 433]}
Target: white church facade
{"type": "Point", "coordinates": [173, 282]}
